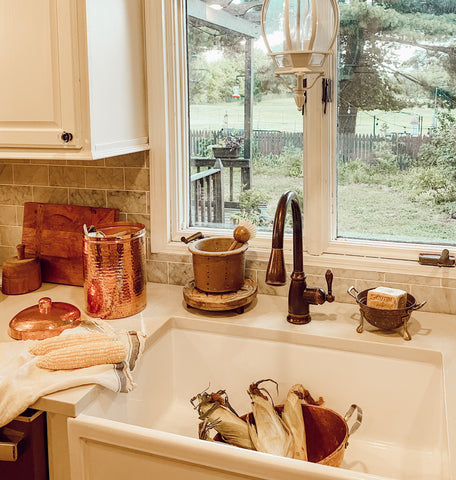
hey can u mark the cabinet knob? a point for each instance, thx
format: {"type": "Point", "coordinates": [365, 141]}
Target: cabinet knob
{"type": "Point", "coordinates": [66, 137]}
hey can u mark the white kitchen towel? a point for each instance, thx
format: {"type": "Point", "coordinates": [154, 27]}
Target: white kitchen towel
{"type": "Point", "coordinates": [22, 383]}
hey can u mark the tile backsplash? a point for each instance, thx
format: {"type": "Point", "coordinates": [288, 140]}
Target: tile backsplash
{"type": "Point", "coordinates": [123, 182]}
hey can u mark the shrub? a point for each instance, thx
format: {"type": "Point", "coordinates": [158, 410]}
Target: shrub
{"type": "Point", "coordinates": [288, 163]}
{"type": "Point", "coordinates": [250, 205]}
{"type": "Point", "coordinates": [431, 185]}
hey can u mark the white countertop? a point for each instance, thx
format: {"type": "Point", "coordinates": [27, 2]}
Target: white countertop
{"type": "Point", "coordinates": [429, 331]}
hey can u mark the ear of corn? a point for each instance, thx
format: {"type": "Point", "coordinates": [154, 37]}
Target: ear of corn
{"type": "Point", "coordinates": [232, 428]}
{"type": "Point", "coordinates": [293, 418]}
{"type": "Point", "coordinates": [270, 435]}
{"type": "Point", "coordinates": [41, 347]}
{"type": "Point", "coordinates": [83, 355]}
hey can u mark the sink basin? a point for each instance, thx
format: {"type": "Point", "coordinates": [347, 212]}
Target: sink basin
{"type": "Point", "coordinates": [400, 389]}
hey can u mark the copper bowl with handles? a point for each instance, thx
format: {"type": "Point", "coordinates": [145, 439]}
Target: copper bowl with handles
{"type": "Point", "coordinates": [384, 319]}
{"type": "Point", "coordinates": [327, 432]}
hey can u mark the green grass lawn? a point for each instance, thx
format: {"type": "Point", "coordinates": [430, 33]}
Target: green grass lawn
{"type": "Point", "coordinates": [376, 212]}
{"type": "Point", "coordinates": [279, 112]}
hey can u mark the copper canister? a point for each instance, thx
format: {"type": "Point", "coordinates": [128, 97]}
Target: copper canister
{"type": "Point", "coordinates": [114, 270]}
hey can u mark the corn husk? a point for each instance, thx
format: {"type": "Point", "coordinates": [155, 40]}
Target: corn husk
{"type": "Point", "coordinates": [269, 434]}
{"type": "Point", "coordinates": [293, 419]}
{"type": "Point", "coordinates": [233, 429]}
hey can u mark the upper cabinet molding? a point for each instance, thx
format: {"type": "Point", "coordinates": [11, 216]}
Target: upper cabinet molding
{"type": "Point", "coordinates": [73, 82]}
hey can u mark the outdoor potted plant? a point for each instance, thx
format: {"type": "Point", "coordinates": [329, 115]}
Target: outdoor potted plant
{"type": "Point", "coordinates": [228, 146]}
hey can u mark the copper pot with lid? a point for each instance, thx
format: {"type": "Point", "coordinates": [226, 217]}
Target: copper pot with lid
{"type": "Point", "coordinates": [44, 320]}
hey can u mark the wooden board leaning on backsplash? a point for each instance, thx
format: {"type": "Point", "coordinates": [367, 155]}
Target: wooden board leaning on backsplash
{"type": "Point", "coordinates": [54, 233]}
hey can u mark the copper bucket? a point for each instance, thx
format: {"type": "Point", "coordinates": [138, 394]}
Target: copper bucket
{"type": "Point", "coordinates": [216, 269]}
{"type": "Point", "coordinates": [327, 432]}
{"type": "Point", "coordinates": [114, 270]}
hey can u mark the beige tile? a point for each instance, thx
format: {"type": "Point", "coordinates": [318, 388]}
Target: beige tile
{"type": "Point", "coordinates": [128, 202]}
{"type": "Point", "coordinates": [138, 159]}
{"type": "Point", "coordinates": [140, 218]}
{"type": "Point", "coordinates": [253, 263]}
{"type": "Point", "coordinates": [87, 197]}
{"type": "Point", "coordinates": [19, 215]}
{"type": "Point", "coordinates": [10, 161]}
{"type": "Point", "coordinates": [340, 290]}
{"type": "Point", "coordinates": [449, 281]}
{"type": "Point", "coordinates": [378, 277]}
{"type": "Point", "coordinates": [8, 215]}
{"type": "Point", "coordinates": [252, 274]}
{"type": "Point", "coordinates": [66, 176]}
{"type": "Point", "coordinates": [6, 173]}
{"type": "Point", "coordinates": [31, 174]}
{"type": "Point", "coordinates": [438, 299]}
{"type": "Point", "coordinates": [15, 195]}
{"type": "Point", "coordinates": [172, 257]}
{"type": "Point", "coordinates": [10, 235]}
{"type": "Point", "coordinates": [107, 178]}
{"type": "Point", "coordinates": [51, 195]}
{"type": "Point", "coordinates": [157, 272]}
{"type": "Point", "coordinates": [49, 162]}
{"type": "Point", "coordinates": [137, 179]}
{"type": "Point", "coordinates": [87, 163]}
{"type": "Point", "coordinates": [361, 285]}
{"type": "Point", "coordinates": [266, 289]}
{"type": "Point", "coordinates": [7, 252]}
{"type": "Point", "coordinates": [415, 279]}
{"type": "Point", "coordinates": [180, 273]}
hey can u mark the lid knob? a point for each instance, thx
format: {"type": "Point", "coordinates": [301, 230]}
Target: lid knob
{"type": "Point", "coordinates": [44, 305]}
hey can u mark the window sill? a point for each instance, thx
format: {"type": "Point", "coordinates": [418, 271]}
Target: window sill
{"type": "Point", "coordinates": [340, 258]}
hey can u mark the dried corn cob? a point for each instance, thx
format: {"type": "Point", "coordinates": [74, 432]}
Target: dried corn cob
{"type": "Point", "coordinates": [218, 414]}
{"type": "Point", "coordinates": [85, 355]}
{"type": "Point", "coordinates": [41, 347]}
{"type": "Point", "coordinates": [292, 416]}
{"type": "Point", "coordinates": [269, 434]}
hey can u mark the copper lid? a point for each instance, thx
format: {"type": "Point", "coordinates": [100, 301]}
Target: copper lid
{"type": "Point", "coordinates": [44, 320]}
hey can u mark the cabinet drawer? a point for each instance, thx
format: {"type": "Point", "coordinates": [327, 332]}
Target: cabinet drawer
{"type": "Point", "coordinates": [23, 447]}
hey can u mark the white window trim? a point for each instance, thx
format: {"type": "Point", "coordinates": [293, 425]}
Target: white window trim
{"type": "Point", "coordinates": [168, 125]}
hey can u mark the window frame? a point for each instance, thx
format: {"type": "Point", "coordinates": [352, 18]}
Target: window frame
{"type": "Point", "coordinates": [165, 22]}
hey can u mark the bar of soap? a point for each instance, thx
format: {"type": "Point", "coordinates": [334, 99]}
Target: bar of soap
{"type": "Point", "coordinates": [385, 298]}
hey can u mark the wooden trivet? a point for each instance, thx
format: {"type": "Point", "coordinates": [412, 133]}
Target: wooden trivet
{"type": "Point", "coordinates": [219, 302]}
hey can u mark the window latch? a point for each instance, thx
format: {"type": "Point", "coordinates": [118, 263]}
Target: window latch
{"type": "Point", "coordinates": [326, 92]}
{"type": "Point", "coordinates": [442, 260]}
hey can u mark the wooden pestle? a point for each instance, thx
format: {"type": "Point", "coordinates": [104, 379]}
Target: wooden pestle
{"type": "Point", "coordinates": [241, 235]}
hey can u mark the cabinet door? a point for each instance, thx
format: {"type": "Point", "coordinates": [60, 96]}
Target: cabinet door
{"type": "Point", "coordinates": [38, 85]}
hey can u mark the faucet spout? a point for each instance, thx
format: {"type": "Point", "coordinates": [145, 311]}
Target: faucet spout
{"type": "Point", "coordinates": [300, 296]}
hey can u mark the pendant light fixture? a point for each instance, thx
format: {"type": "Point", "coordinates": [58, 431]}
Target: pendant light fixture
{"type": "Point", "coordinates": [299, 36]}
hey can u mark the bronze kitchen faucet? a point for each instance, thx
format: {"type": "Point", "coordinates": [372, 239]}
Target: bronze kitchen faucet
{"type": "Point", "coordinates": [300, 296]}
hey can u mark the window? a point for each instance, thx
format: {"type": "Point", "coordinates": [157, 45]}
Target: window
{"type": "Point", "coordinates": [327, 224]}
{"type": "Point", "coordinates": [396, 154]}
{"type": "Point", "coordinates": [245, 132]}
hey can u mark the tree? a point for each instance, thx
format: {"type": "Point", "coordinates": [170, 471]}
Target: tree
{"type": "Point", "coordinates": [370, 33]}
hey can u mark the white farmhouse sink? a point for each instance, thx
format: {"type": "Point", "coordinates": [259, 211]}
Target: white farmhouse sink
{"type": "Point", "coordinates": [400, 389]}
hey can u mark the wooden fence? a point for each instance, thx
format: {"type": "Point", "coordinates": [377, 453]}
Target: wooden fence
{"type": "Point", "coordinates": [349, 146]}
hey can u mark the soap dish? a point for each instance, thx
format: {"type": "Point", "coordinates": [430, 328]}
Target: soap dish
{"type": "Point", "coordinates": [384, 319]}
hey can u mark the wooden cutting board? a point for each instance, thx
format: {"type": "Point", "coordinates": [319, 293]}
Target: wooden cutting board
{"type": "Point", "coordinates": [54, 234]}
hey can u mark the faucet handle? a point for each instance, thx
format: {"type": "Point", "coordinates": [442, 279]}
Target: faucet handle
{"type": "Point", "coordinates": [329, 279]}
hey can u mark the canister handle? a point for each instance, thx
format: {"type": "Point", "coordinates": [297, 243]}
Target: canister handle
{"type": "Point", "coordinates": [359, 417]}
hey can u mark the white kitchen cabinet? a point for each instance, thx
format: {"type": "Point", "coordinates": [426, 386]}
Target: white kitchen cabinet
{"type": "Point", "coordinates": [72, 83]}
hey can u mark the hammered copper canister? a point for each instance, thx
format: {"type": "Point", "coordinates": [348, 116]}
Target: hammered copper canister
{"type": "Point", "coordinates": [114, 270]}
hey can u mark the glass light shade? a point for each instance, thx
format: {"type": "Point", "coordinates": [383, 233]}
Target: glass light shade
{"type": "Point", "coordinates": [299, 35]}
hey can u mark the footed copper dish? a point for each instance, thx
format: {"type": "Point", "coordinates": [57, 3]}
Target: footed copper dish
{"type": "Point", "coordinates": [384, 319]}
